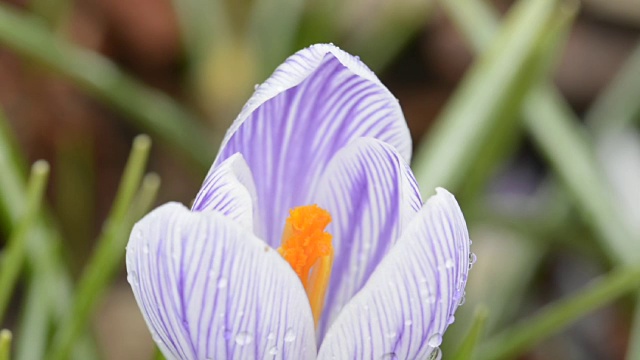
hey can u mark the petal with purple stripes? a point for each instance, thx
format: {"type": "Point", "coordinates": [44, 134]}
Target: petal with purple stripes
{"type": "Point", "coordinates": [209, 289]}
{"type": "Point", "coordinates": [229, 189]}
{"type": "Point", "coordinates": [410, 299]}
{"type": "Point", "coordinates": [317, 102]}
{"type": "Point", "coordinates": [372, 195]}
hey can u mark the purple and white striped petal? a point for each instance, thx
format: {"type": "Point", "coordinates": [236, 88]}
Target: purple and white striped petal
{"type": "Point", "coordinates": [371, 194]}
{"type": "Point", "coordinates": [209, 289]}
{"type": "Point", "coordinates": [317, 102]}
{"type": "Point", "coordinates": [410, 299]}
{"type": "Point", "coordinates": [229, 189]}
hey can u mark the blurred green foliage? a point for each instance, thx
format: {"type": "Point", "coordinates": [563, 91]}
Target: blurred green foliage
{"type": "Point", "coordinates": [229, 47]}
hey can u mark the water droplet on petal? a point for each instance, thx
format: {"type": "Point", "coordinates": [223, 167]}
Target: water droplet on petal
{"type": "Point", "coordinates": [448, 264]}
{"type": "Point", "coordinates": [435, 340]}
{"type": "Point", "coordinates": [408, 322]}
{"type": "Point", "coordinates": [462, 299]}
{"type": "Point", "coordinates": [289, 336]}
{"type": "Point", "coordinates": [271, 336]}
{"type": "Point", "coordinates": [222, 283]}
{"type": "Point", "coordinates": [243, 338]}
{"type": "Point", "coordinates": [451, 320]}
{"type": "Point", "coordinates": [391, 334]}
{"type": "Point", "coordinates": [472, 259]}
{"type": "Point", "coordinates": [273, 351]}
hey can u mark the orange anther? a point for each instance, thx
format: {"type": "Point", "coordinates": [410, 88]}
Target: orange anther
{"type": "Point", "coordinates": [307, 248]}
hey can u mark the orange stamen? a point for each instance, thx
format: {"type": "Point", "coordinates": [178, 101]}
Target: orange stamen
{"type": "Point", "coordinates": [307, 248]}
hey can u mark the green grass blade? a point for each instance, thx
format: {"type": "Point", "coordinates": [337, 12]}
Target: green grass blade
{"type": "Point", "coordinates": [31, 338]}
{"type": "Point", "coordinates": [5, 344]}
{"type": "Point", "coordinates": [43, 244]}
{"type": "Point", "coordinates": [618, 105]}
{"type": "Point", "coordinates": [109, 251]}
{"type": "Point", "coordinates": [560, 138]}
{"type": "Point", "coordinates": [145, 198]}
{"type": "Point", "coordinates": [14, 253]}
{"type": "Point", "coordinates": [468, 345]}
{"type": "Point", "coordinates": [147, 109]}
{"type": "Point", "coordinates": [490, 95]}
{"type": "Point", "coordinates": [528, 332]}
{"type": "Point", "coordinates": [570, 153]}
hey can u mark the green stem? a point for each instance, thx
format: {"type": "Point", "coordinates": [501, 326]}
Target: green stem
{"type": "Point", "coordinates": [14, 253]}
{"type": "Point", "coordinates": [556, 316]}
{"type": "Point", "coordinates": [148, 109]}
{"type": "Point", "coordinates": [43, 241]}
{"type": "Point", "coordinates": [467, 348]}
{"type": "Point", "coordinates": [5, 344]}
{"type": "Point", "coordinates": [109, 251]}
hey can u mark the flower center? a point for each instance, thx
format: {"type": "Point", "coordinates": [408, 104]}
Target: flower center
{"type": "Point", "coordinates": [306, 246]}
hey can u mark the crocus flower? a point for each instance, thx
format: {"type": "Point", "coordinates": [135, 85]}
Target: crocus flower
{"type": "Point", "coordinates": [309, 238]}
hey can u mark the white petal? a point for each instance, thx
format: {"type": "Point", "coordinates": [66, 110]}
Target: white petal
{"type": "Point", "coordinates": [210, 290]}
{"type": "Point", "coordinates": [318, 101]}
{"type": "Point", "coordinates": [407, 304]}
{"type": "Point", "coordinates": [371, 194]}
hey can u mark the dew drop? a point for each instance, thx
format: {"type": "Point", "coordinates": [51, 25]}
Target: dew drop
{"type": "Point", "coordinates": [256, 86]}
{"type": "Point", "coordinates": [462, 299]}
{"type": "Point", "coordinates": [289, 336]}
{"type": "Point", "coordinates": [391, 334]}
{"type": "Point", "coordinates": [273, 351]}
{"type": "Point", "coordinates": [448, 264]}
{"type": "Point", "coordinates": [243, 338]}
{"type": "Point", "coordinates": [408, 322]}
{"type": "Point", "coordinates": [145, 248]}
{"type": "Point", "coordinates": [435, 340]}
{"type": "Point", "coordinates": [451, 320]}
{"type": "Point", "coordinates": [222, 283]}
{"type": "Point", "coordinates": [472, 259]}
{"type": "Point", "coordinates": [271, 336]}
